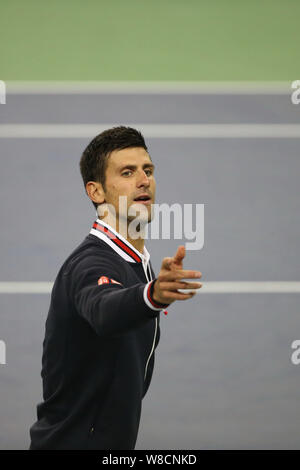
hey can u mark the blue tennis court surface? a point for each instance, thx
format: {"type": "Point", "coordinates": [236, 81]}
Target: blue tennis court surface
{"type": "Point", "coordinates": [223, 376]}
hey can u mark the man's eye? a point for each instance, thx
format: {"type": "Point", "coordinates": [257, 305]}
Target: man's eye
{"type": "Point", "coordinates": [148, 172]}
{"type": "Point", "coordinates": [126, 173]}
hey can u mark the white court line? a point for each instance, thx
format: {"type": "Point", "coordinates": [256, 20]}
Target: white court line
{"type": "Point", "coordinates": [280, 287]}
{"type": "Point", "coordinates": [71, 131]}
{"type": "Point", "coordinates": [25, 287]}
{"type": "Point", "coordinates": [137, 87]}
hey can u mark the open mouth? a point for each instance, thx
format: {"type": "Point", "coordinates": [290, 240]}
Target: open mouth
{"type": "Point", "coordinates": [145, 199]}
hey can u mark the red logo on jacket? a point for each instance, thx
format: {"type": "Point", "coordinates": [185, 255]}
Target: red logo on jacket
{"type": "Point", "coordinates": [107, 280]}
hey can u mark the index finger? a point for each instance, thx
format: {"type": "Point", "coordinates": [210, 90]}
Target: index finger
{"type": "Point", "coordinates": [180, 274]}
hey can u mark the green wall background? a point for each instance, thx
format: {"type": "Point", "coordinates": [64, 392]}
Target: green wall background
{"type": "Point", "coordinates": [150, 40]}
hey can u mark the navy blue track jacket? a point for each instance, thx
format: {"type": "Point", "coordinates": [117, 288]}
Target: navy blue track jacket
{"type": "Point", "coordinates": [98, 352]}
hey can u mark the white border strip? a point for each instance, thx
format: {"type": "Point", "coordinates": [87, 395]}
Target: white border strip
{"type": "Point", "coordinates": [153, 87]}
{"type": "Point", "coordinates": [270, 287]}
{"type": "Point", "coordinates": [71, 131]}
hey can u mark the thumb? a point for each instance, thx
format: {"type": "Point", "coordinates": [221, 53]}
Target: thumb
{"type": "Point", "coordinates": [180, 254]}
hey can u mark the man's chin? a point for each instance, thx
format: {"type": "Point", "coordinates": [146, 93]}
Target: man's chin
{"type": "Point", "coordinates": [140, 220]}
{"type": "Point", "coordinates": [140, 212]}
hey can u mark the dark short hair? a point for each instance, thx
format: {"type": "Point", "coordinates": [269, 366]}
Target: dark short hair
{"type": "Point", "coordinates": [94, 160]}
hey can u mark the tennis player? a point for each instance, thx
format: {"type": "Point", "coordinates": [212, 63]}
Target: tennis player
{"type": "Point", "coordinates": [102, 327]}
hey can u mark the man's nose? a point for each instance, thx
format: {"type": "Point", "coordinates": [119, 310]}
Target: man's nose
{"type": "Point", "coordinates": [143, 179]}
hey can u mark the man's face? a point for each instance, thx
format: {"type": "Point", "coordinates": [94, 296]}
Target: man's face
{"type": "Point", "coordinates": [130, 173]}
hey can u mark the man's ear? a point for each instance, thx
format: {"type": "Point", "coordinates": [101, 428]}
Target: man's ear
{"type": "Point", "coordinates": [95, 192]}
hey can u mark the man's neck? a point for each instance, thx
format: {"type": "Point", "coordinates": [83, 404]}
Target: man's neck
{"type": "Point", "coordinates": [138, 243]}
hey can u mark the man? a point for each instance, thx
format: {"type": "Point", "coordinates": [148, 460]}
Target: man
{"type": "Point", "coordinates": [103, 323]}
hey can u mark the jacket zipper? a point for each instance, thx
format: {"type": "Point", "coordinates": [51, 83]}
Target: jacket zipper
{"type": "Point", "coordinates": [153, 344]}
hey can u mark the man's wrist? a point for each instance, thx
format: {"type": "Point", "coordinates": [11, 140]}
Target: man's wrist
{"type": "Point", "coordinates": [152, 295]}
{"type": "Point", "coordinates": [149, 300]}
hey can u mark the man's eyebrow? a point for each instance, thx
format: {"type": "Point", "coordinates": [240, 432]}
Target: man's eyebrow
{"type": "Point", "coordinates": [134, 167]}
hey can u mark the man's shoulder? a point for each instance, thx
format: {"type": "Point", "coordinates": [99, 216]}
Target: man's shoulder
{"type": "Point", "coordinates": [90, 257]}
{"type": "Point", "coordinates": [90, 251]}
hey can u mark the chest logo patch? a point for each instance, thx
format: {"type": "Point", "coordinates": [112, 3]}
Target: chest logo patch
{"type": "Point", "coordinates": [106, 280]}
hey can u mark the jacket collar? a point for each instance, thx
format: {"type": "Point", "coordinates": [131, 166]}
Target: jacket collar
{"type": "Point", "coordinates": [118, 243]}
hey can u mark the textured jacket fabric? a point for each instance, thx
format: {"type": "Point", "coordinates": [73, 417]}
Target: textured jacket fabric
{"type": "Point", "coordinates": [101, 333]}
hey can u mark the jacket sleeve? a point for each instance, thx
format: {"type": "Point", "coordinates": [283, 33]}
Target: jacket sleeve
{"type": "Point", "coordinates": [110, 308]}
